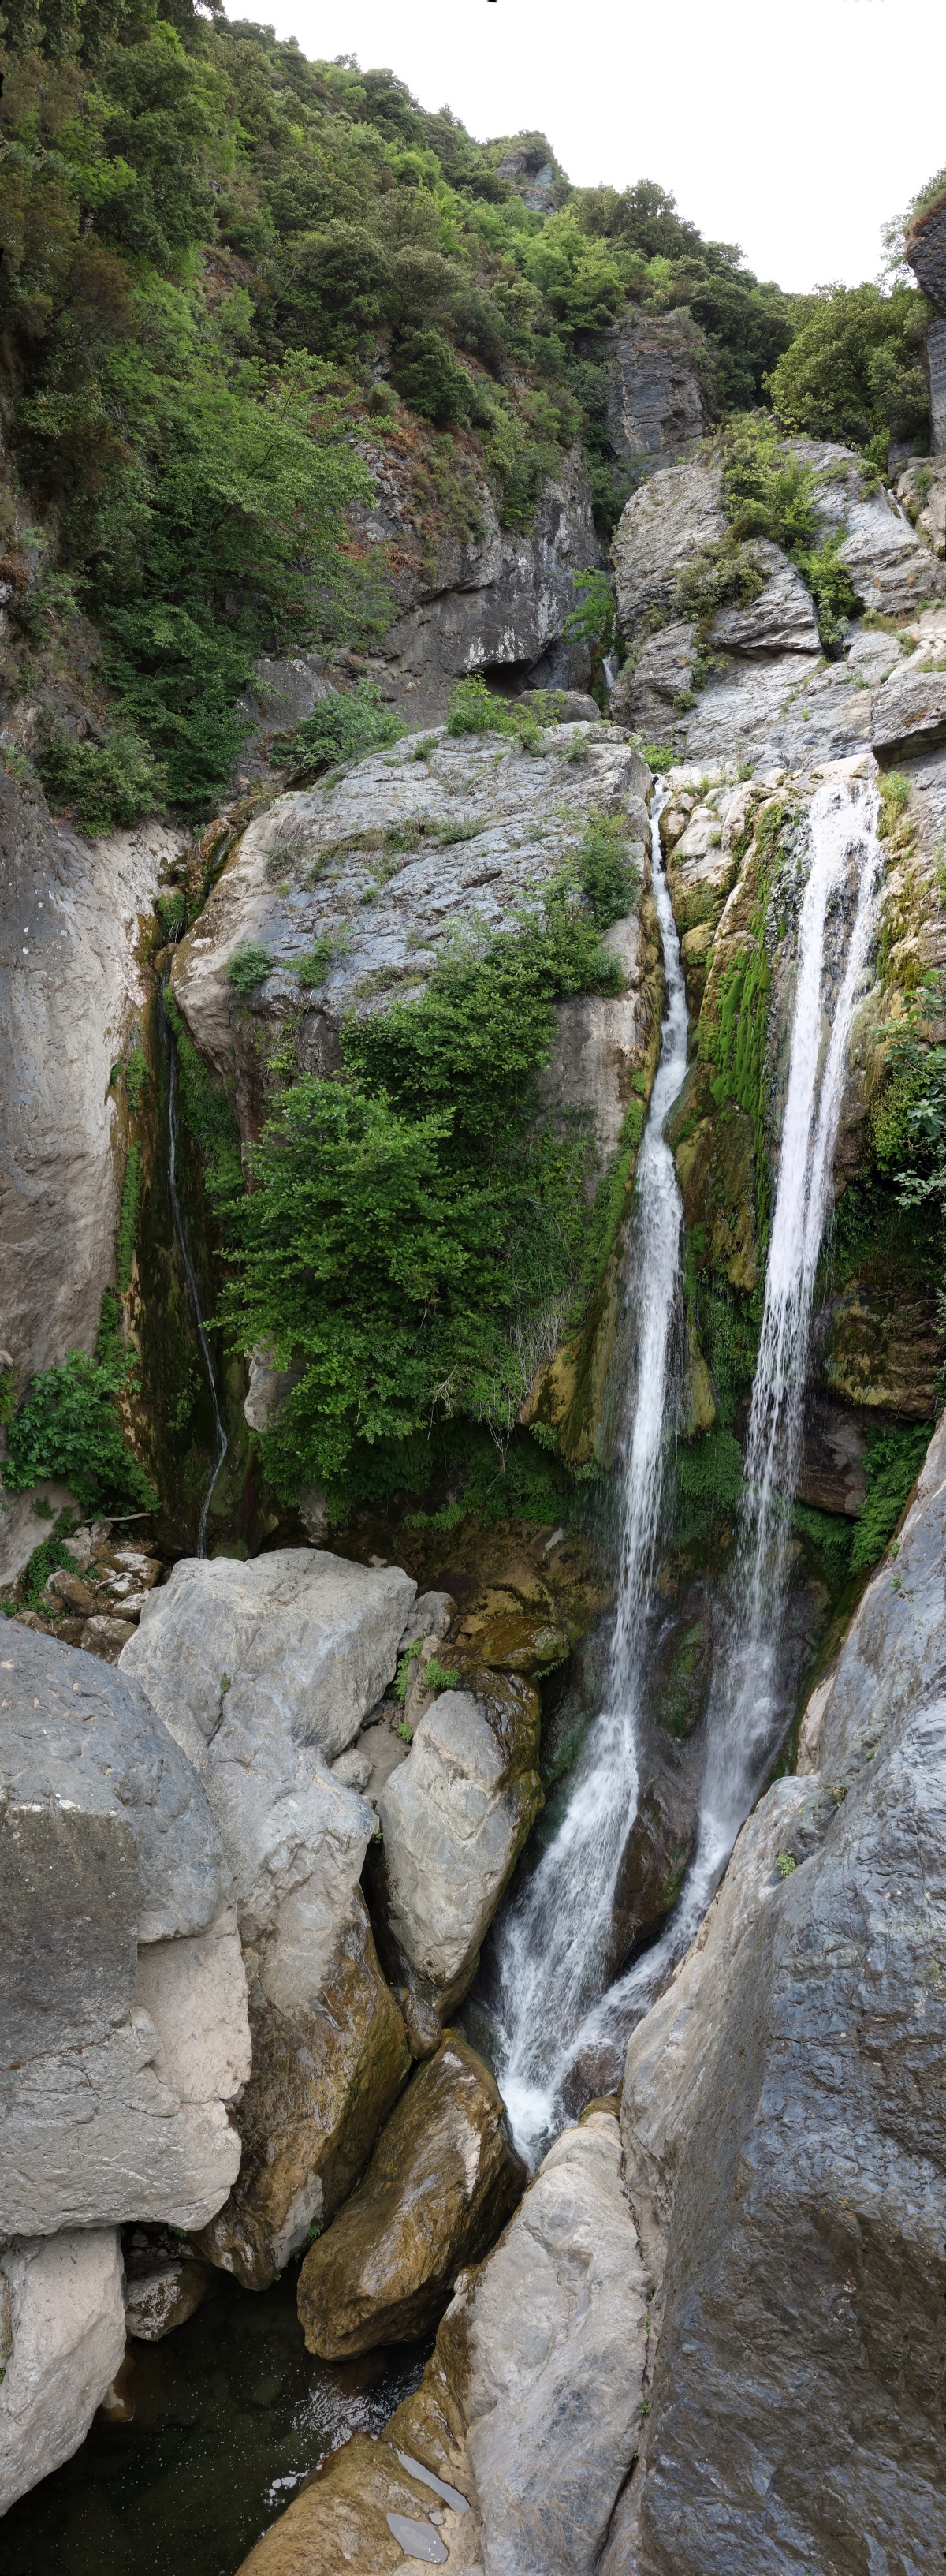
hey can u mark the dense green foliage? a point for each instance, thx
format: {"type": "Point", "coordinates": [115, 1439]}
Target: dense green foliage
{"type": "Point", "coordinates": [249, 967]}
{"type": "Point", "coordinates": [68, 1427]}
{"type": "Point", "coordinates": [339, 728]}
{"type": "Point", "coordinates": [854, 371]}
{"type": "Point", "coordinates": [412, 1229]}
{"type": "Point", "coordinates": [892, 1466]}
{"type": "Point", "coordinates": [211, 247]}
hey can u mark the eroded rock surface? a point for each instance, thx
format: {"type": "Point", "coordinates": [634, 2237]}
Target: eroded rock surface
{"type": "Point", "coordinates": [267, 1669]}
{"type": "Point", "coordinates": [298, 1639]}
{"type": "Point", "coordinates": [442, 2181]}
{"type": "Point", "coordinates": [454, 1818]}
{"type": "Point", "coordinates": [794, 2410]}
{"type": "Point", "coordinates": [528, 2413]}
{"type": "Point", "coordinates": [66, 2330]}
{"type": "Point", "coordinates": [125, 2029]}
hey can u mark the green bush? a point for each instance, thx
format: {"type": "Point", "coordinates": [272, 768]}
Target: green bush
{"type": "Point", "coordinates": [408, 1229]}
{"type": "Point", "coordinates": [128, 1219]}
{"type": "Point", "coordinates": [68, 1427]}
{"type": "Point", "coordinates": [339, 728]}
{"type": "Point", "coordinates": [854, 371]}
{"type": "Point", "coordinates": [249, 967]}
{"type": "Point", "coordinates": [474, 709]}
{"type": "Point", "coordinates": [104, 785]}
{"type": "Point", "coordinates": [767, 492]}
{"type": "Point", "coordinates": [429, 376]}
{"type": "Point", "coordinates": [609, 880]}
{"type": "Point", "coordinates": [727, 575]}
{"type": "Point", "coordinates": [892, 1466]}
{"type": "Point", "coordinates": [313, 967]}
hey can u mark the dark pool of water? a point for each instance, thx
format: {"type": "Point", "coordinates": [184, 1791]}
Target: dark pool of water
{"type": "Point", "coordinates": [231, 2413]}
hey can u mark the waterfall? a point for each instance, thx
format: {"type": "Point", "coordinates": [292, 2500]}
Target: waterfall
{"type": "Point", "coordinates": [222, 1436]}
{"type": "Point", "coordinates": [552, 1941]}
{"type": "Point", "coordinates": [843, 879]}
{"type": "Point", "coordinates": [748, 1705]}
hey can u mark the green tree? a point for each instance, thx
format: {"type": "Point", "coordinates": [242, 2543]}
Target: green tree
{"type": "Point", "coordinates": [854, 371]}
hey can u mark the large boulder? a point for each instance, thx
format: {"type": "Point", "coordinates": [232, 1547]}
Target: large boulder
{"type": "Point", "coordinates": [510, 2454]}
{"type": "Point", "coordinates": [324, 2078]}
{"type": "Point", "coordinates": [442, 2181]}
{"type": "Point", "coordinates": [454, 1818]}
{"type": "Point", "coordinates": [674, 517]}
{"type": "Point", "coordinates": [125, 2035]}
{"type": "Point", "coordinates": [794, 2411]}
{"type": "Point", "coordinates": [910, 712]}
{"type": "Point", "coordinates": [298, 1640]}
{"type": "Point", "coordinates": [265, 1669]}
{"type": "Point", "coordinates": [62, 2336]}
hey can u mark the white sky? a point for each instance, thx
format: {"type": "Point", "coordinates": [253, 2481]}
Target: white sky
{"type": "Point", "coordinates": [796, 130]}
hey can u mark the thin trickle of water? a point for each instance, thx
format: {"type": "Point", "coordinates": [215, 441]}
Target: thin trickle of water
{"type": "Point", "coordinates": [748, 1707]}
{"type": "Point", "coordinates": [222, 1435]}
{"type": "Point", "coordinates": [553, 1941]}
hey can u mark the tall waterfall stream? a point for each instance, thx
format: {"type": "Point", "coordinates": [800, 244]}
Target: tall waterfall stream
{"type": "Point", "coordinates": [552, 1939]}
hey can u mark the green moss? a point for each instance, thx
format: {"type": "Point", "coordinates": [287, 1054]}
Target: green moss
{"type": "Point", "coordinates": [128, 1218]}
{"type": "Point", "coordinates": [707, 1486]}
{"type": "Point", "coordinates": [209, 1115]}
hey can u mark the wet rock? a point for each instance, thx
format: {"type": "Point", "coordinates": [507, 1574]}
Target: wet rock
{"type": "Point", "coordinates": [831, 1473]}
{"type": "Point", "coordinates": [454, 1818]}
{"type": "Point", "coordinates": [323, 2081]}
{"type": "Point", "coordinates": [298, 1638]}
{"type": "Point", "coordinates": [656, 405]}
{"type": "Point", "coordinates": [340, 2526]}
{"type": "Point", "coordinates": [125, 2030]}
{"type": "Point", "coordinates": [910, 713]}
{"type": "Point", "coordinates": [555, 2334]}
{"type": "Point", "coordinates": [442, 2181]}
{"type": "Point", "coordinates": [529, 2410]}
{"type": "Point", "coordinates": [813, 2127]}
{"type": "Point", "coordinates": [654, 1861]}
{"type": "Point", "coordinates": [882, 1350]}
{"type": "Point", "coordinates": [159, 2300]}
{"type": "Point", "coordinates": [66, 2337]}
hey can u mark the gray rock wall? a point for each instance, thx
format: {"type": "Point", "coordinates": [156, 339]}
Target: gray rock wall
{"type": "Point", "coordinates": [796, 2410]}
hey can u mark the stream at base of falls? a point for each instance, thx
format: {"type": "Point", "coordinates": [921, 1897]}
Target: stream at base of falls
{"type": "Point", "coordinates": [231, 2415]}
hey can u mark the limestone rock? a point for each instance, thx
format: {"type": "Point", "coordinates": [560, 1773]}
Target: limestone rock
{"type": "Point", "coordinates": [385, 865]}
{"type": "Point", "coordinates": [601, 1044]}
{"type": "Point", "coordinates": [529, 2409]}
{"type": "Point", "coordinates": [298, 1639]}
{"type": "Point", "coordinates": [653, 690]}
{"type": "Point", "coordinates": [781, 620]}
{"type": "Point", "coordinates": [556, 2345]}
{"type": "Point", "coordinates": [668, 521]}
{"type": "Point", "coordinates": [656, 1856]}
{"type": "Point", "coordinates": [105, 1637]}
{"type": "Point", "coordinates": [656, 405]}
{"type": "Point", "coordinates": [809, 2208]}
{"type": "Point", "coordinates": [323, 2081]}
{"type": "Point", "coordinates": [442, 2181]}
{"type": "Point", "coordinates": [454, 1817]}
{"type": "Point", "coordinates": [69, 989]}
{"type": "Point", "coordinates": [125, 2030]}
{"type": "Point", "coordinates": [159, 2300]}
{"type": "Point", "coordinates": [68, 2337]}
{"type": "Point", "coordinates": [883, 1350]}
{"type": "Point", "coordinates": [910, 712]}
{"type": "Point", "coordinates": [921, 491]}
{"type": "Point", "coordinates": [831, 1471]}
{"type": "Point", "coordinates": [506, 599]}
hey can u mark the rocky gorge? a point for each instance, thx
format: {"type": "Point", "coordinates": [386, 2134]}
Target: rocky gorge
{"type": "Point", "coordinates": [471, 1698]}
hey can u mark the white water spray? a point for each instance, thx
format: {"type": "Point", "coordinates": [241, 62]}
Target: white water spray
{"type": "Point", "coordinates": [553, 1942]}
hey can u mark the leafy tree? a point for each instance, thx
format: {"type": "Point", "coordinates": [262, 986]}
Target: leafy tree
{"type": "Point", "coordinates": [854, 371]}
